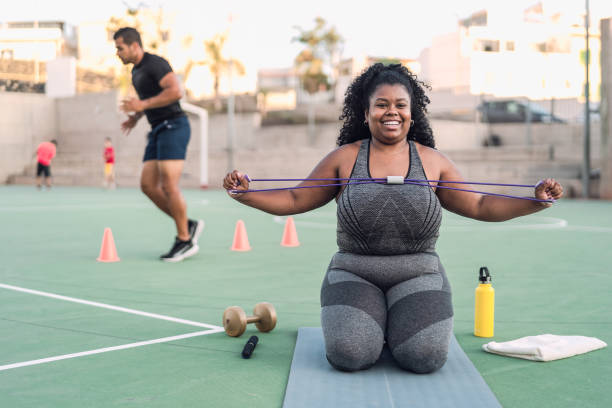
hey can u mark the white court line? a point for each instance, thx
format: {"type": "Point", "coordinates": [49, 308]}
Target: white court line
{"type": "Point", "coordinates": [106, 349]}
{"type": "Point", "coordinates": [555, 223]}
{"type": "Point", "coordinates": [111, 307]}
{"type": "Point", "coordinates": [558, 223]}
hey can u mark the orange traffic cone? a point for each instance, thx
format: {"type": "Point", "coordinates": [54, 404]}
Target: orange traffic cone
{"type": "Point", "coordinates": [290, 238]}
{"type": "Point", "coordinates": [108, 252]}
{"type": "Point", "coordinates": [241, 240]}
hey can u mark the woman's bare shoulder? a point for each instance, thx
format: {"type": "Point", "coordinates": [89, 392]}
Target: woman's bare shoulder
{"type": "Point", "coordinates": [346, 151]}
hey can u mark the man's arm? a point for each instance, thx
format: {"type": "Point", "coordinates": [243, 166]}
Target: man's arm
{"type": "Point", "coordinates": [171, 92]}
{"type": "Point", "coordinates": [132, 120]}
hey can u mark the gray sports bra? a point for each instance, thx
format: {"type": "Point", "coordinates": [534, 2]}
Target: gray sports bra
{"type": "Point", "coordinates": [387, 219]}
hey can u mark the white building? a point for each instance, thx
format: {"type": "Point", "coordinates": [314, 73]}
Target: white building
{"type": "Point", "coordinates": [277, 89]}
{"type": "Point", "coordinates": [26, 46]}
{"type": "Point", "coordinates": [537, 53]}
{"type": "Point", "coordinates": [36, 40]}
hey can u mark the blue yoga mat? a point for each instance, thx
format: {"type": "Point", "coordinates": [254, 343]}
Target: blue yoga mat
{"type": "Point", "coordinates": [314, 383]}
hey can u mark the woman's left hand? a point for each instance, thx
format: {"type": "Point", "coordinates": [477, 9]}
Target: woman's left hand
{"type": "Point", "coordinates": [548, 189]}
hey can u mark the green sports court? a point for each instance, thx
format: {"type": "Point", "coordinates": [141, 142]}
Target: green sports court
{"type": "Point", "coordinates": [551, 273]}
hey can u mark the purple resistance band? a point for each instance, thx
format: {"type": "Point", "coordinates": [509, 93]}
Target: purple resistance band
{"type": "Point", "coordinates": [417, 182]}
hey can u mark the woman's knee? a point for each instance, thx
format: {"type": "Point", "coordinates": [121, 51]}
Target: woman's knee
{"type": "Point", "coordinates": [350, 354]}
{"type": "Point", "coordinates": [424, 351]}
{"type": "Point", "coordinates": [424, 360]}
{"type": "Point", "coordinates": [353, 339]}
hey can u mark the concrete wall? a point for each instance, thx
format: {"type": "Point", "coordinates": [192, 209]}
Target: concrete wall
{"type": "Point", "coordinates": [25, 121]}
{"type": "Point", "coordinates": [81, 123]}
{"type": "Point", "coordinates": [606, 108]}
{"type": "Point", "coordinates": [283, 151]}
{"type": "Point", "coordinates": [266, 152]}
{"type": "Point", "coordinates": [86, 120]}
{"type": "Point", "coordinates": [566, 140]}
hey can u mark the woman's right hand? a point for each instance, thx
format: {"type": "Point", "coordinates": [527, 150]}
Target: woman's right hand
{"type": "Point", "coordinates": [235, 181]}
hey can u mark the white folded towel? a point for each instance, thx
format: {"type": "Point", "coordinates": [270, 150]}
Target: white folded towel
{"type": "Point", "coordinates": [545, 347]}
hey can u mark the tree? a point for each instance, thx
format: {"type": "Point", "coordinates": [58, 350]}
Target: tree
{"type": "Point", "coordinates": [150, 24]}
{"type": "Point", "coordinates": [152, 28]}
{"type": "Point", "coordinates": [316, 64]}
{"type": "Point", "coordinates": [218, 64]}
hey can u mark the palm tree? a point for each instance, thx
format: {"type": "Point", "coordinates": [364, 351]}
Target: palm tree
{"type": "Point", "coordinates": [321, 51]}
{"type": "Point", "coordinates": [322, 46]}
{"type": "Point", "coordinates": [155, 40]}
{"type": "Point", "coordinates": [218, 64]}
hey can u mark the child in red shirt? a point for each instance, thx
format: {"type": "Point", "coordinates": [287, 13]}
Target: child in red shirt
{"type": "Point", "coordinates": [44, 153]}
{"type": "Point", "coordinates": [109, 163]}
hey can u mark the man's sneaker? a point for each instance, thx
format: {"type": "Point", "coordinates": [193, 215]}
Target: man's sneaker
{"type": "Point", "coordinates": [195, 229]}
{"type": "Point", "coordinates": [180, 250]}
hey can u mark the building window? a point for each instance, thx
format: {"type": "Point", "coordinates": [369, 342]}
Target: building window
{"type": "Point", "coordinates": [486, 45]}
{"type": "Point", "coordinates": [21, 24]}
{"type": "Point", "coordinates": [509, 45]}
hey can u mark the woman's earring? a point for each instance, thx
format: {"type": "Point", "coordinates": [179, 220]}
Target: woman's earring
{"type": "Point", "coordinates": [365, 122]}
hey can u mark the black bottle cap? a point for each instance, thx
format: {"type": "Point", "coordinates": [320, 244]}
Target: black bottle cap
{"type": "Point", "coordinates": [485, 276]}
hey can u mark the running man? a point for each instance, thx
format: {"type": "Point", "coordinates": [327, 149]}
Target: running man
{"type": "Point", "coordinates": [159, 93]}
{"type": "Point", "coordinates": [44, 154]}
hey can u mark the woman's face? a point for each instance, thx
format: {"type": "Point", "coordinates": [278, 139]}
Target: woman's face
{"type": "Point", "coordinates": [388, 114]}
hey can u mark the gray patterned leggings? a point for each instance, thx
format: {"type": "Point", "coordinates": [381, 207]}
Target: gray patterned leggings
{"type": "Point", "coordinates": [403, 299]}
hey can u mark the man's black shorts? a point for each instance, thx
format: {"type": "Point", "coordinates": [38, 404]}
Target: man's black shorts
{"type": "Point", "coordinates": [42, 169]}
{"type": "Point", "coordinates": [168, 140]}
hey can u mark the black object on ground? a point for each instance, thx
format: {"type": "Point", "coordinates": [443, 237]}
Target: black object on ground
{"type": "Point", "coordinates": [249, 347]}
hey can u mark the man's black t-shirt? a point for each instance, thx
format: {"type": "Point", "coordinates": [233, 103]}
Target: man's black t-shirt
{"type": "Point", "coordinates": [145, 78]}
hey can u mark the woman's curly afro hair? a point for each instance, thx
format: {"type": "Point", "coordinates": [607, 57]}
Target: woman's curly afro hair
{"type": "Point", "coordinates": [357, 100]}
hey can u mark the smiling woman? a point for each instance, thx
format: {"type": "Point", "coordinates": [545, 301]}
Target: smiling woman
{"type": "Point", "coordinates": [411, 104]}
{"type": "Point", "coordinates": [386, 282]}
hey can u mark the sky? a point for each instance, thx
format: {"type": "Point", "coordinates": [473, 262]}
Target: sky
{"type": "Point", "coordinates": [261, 31]}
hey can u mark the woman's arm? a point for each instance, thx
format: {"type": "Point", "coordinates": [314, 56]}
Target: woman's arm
{"type": "Point", "coordinates": [490, 208]}
{"type": "Point", "coordinates": [294, 201]}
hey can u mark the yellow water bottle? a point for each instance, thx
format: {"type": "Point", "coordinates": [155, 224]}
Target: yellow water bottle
{"type": "Point", "coordinates": [484, 307]}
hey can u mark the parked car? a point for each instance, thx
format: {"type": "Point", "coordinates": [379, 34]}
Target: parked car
{"type": "Point", "coordinates": [507, 111]}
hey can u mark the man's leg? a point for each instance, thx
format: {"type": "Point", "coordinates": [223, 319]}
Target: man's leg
{"type": "Point", "coordinates": [170, 174]}
{"type": "Point", "coordinates": [150, 184]}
